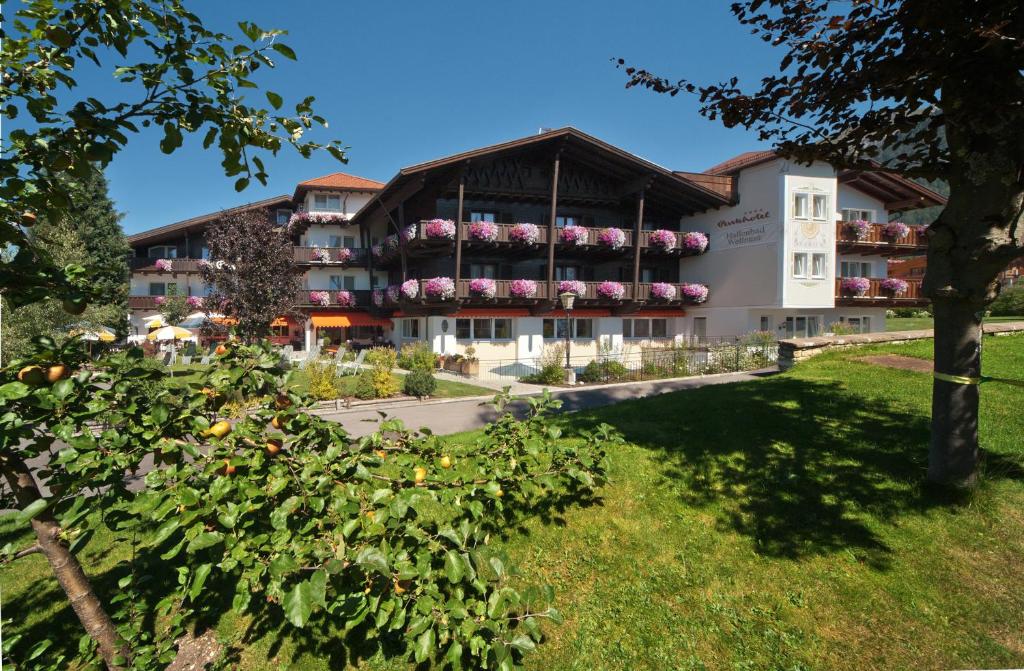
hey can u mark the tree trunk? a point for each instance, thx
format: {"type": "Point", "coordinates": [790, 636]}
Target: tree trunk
{"type": "Point", "coordinates": [953, 452]}
{"type": "Point", "coordinates": [65, 565]}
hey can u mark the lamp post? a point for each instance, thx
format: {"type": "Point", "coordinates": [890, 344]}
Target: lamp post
{"type": "Point", "coordinates": [567, 299]}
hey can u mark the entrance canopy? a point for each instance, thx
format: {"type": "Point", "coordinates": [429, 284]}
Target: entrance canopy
{"type": "Point", "coordinates": [335, 319]}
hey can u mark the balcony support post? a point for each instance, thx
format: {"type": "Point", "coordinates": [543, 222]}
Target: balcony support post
{"type": "Point", "coordinates": [551, 227]}
{"type": "Point", "coordinates": [637, 225]}
{"type": "Point", "coordinates": [364, 235]}
{"type": "Point", "coordinates": [402, 241]}
{"type": "Point", "coordinates": [458, 231]}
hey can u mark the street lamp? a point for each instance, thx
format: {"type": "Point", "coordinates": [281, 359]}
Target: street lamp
{"type": "Point", "coordinates": [567, 299]}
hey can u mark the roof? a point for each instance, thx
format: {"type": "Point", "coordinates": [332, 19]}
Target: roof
{"type": "Point", "coordinates": [697, 196]}
{"type": "Point", "coordinates": [172, 230]}
{"type": "Point", "coordinates": [338, 181]}
{"type": "Point", "coordinates": [894, 190]}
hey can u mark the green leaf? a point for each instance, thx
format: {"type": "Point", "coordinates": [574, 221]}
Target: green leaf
{"type": "Point", "coordinates": [172, 138]}
{"type": "Point", "coordinates": [205, 540]}
{"type": "Point", "coordinates": [62, 388]}
{"type": "Point", "coordinates": [284, 50]}
{"type": "Point", "coordinates": [198, 580]}
{"type": "Point", "coordinates": [454, 655]}
{"type": "Point", "coordinates": [373, 558]}
{"type": "Point", "coordinates": [299, 603]}
{"type": "Point", "coordinates": [425, 645]}
{"type": "Point", "coordinates": [275, 99]}
{"type": "Point", "coordinates": [165, 530]}
{"type": "Point", "coordinates": [453, 566]}
{"type": "Point", "coordinates": [14, 390]}
{"type": "Point", "coordinates": [32, 509]}
{"type": "Point", "coordinates": [160, 413]}
{"type": "Point", "coordinates": [523, 643]}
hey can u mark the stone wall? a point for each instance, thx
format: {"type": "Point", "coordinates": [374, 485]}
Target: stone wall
{"type": "Point", "coordinates": [794, 350]}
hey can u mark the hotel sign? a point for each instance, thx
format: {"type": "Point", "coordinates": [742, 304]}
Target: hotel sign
{"type": "Point", "coordinates": [753, 227]}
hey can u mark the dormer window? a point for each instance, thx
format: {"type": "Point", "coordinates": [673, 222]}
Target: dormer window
{"type": "Point", "coordinates": [326, 202]}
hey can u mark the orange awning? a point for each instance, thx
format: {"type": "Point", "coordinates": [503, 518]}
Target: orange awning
{"type": "Point", "coordinates": [225, 321]}
{"type": "Point", "coordinates": [347, 319]}
{"type": "Point", "coordinates": [281, 321]}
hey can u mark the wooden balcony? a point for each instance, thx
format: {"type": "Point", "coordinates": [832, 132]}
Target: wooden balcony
{"type": "Point", "coordinates": [876, 296]}
{"type": "Point", "coordinates": [142, 302]}
{"type": "Point", "coordinates": [303, 300]}
{"type": "Point", "coordinates": [331, 256]}
{"type": "Point", "coordinates": [147, 265]}
{"type": "Point", "coordinates": [877, 242]}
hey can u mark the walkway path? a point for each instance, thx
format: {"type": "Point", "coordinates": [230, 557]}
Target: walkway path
{"type": "Point", "coordinates": [466, 414]}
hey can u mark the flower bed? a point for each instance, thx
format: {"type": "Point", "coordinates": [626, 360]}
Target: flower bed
{"type": "Point", "coordinates": [483, 287]}
{"type": "Point", "coordinates": [613, 238]}
{"type": "Point", "coordinates": [695, 242]}
{"type": "Point", "coordinates": [377, 296]}
{"type": "Point", "coordinates": [573, 287]}
{"type": "Point", "coordinates": [896, 230]}
{"type": "Point", "coordinates": [440, 229]}
{"type": "Point", "coordinates": [347, 299]}
{"type": "Point", "coordinates": [194, 302]}
{"type": "Point", "coordinates": [410, 289]}
{"type": "Point", "coordinates": [694, 293]}
{"type": "Point", "coordinates": [439, 287]}
{"type": "Point", "coordinates": [855, 286]}
{"type": "Point", "coordinates": [894, 286]}
{"type": "Point", "coordinates": [321, 298]}
{"type": "Point", "coordinates": [483, 231]}
{"type": "Point", "coordinates": [163, 264]}
{"type": "Point", "coordinates": [523, 288]}
{"type": "Point", "coordinates": [526, 233]}
{"type": "Point", "coordinates": [662, 239]}
{"type": "Point", "coordinates": [306, 218]}
{"type": "Point", "coordinates": [663, 291]}
{"type": "Point", "coordinates": [859, 228]}
{"type": "Point", "coordinates": [611, 290]}
{"type": "Point", "coordinates": [574, 235]}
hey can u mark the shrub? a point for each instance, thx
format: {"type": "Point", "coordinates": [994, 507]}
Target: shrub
{"type": "Point", "coordinates": [603, 371]}
{"type": "Point", "coordinates": [381, 383]}
{"type": "Point", "coordinates": [1009, 302]}
{"type": "Point", "coordinates": [364, 386]}
{"type": "Point", "coordinates": [417, 356]}
{"type": "Point", "coordinates": [840, 329]}
{"type": "Point", "coordinates": [419, 383]}
{"type": "Point", "coordinates": [551, 363]}
{"type": "Point", "coordinates": [322, 375]}
{"type": "Point", "coordinates": [384, 356]}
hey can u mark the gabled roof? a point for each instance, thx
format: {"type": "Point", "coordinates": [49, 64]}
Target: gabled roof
{"type": "Point", "coordinates": [894, 190]}
{"type": "Point", "coordinates": [570, 140]}
{"type": "Point", "coordinates": [338, 181]}
{"type": "Point", "coordinates": [198, 223]}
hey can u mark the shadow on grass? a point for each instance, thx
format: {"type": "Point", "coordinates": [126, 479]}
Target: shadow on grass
{"type": "Point", "coordinates": [801, 468]}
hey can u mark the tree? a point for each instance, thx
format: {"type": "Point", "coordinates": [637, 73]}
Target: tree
{"type": "Point", "coordinates": [931, 89]}
{"type": "Point", "coordinates": [252, 273]}
{"type": "Point", "coordinates": [175, 307]}
{"type": "Point", "coordinates": [48, 317]}
{"type": "Point", "coordinates": [180, 77]}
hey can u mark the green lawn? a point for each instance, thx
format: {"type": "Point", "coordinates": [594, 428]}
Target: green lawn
{"type": "Point", "coordinates": [915, 323]}
{"type": "Point", "coordinates": [445, 388]}
{"type": "Point", "coordinates": [774, 524]}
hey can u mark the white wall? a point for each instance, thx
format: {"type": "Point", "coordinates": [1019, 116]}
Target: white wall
{"type": "Point", "coordinates": [351, 201]}
{"type": "Point", "coordinates": [809, 236]}
{"type": "Point", "coordinates": [320, 278]}
{"type": "Point", "coordinates": [852, 198]}
{"type": "Point", "coordinates": [187, 284]}
{"type": "Point", "coordinates": [320, 235]}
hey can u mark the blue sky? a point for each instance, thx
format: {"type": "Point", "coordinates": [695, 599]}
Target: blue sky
{"type": "Point", "coordinates": [404, 82]}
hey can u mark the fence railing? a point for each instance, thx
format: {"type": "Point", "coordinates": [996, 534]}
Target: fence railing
{"type": "Point", "coordinates": [703, 358]}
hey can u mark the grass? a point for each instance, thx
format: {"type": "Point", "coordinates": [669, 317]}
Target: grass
{"type": "Point", "coordinates": [915, 323]}
{"type": "Point", "coordinates": [774, 524]}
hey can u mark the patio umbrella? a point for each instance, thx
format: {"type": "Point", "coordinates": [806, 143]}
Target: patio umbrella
{"type": "Point", "coordinates": [103, 335]}
{"type": "Point", "coordinates": [156, 322]}
{"type": "Point", "coordinates": [171, 333]}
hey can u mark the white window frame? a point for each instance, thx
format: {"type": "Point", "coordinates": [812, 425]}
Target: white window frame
{"type": "Point", "coordinates": [791, 332]}
{"type": "Point", "coordinates": [819, 270]}
{"type": "Point", "coordinates": [855, 213]}
{"type": "Point", "coordinates": [483, 215]}
{"type": "Point", "coordinates": [863, 322]}
{"type": "Point", "coordinates": [801, 211]}
{"type": "Point", "coordinates": [806, 260]}
{"type": "Point", "coordinates": [410, 329]}
{"type": "Point", "coordinates": [491, 328]}
{"type": "Point", "coordinates": [574, 326]}
{"type": "Point", "coordinates": [327, 197]}
{"type": "Point", "coordinates": [862, 268]}
{"type": "Point", "coordinates": [629, 325]}
{"type": "Point", "coordinates": [824, 200]}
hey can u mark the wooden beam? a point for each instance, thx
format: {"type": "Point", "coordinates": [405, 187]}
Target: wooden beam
{"type": "Point", "coordinates": [402, 241]}
{"type": "Point", "coordinates": [551, 226]}
{"type": "Point", "coordinates": [636, 185]}
{"type": "Point", "coordinates": [403, 194]}
{"type": "Point", "coordinates": [915, 202]}
{"type": "Point", "coordinates": [458, 229]}
{"type": "Point", "coordinates": [637, 227]}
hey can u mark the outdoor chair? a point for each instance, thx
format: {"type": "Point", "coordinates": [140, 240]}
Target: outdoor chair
{"type": "Point", "coordinates": [165, 360]}
{"type": "Point", "coordinates": [205, 361]}
{"type": "Point", "coordinates": [186, 360]}
{"type": "Point", "coordinates": [352, 367]}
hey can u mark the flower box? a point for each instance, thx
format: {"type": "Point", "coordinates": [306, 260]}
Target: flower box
{"type": "Point", "coordinates": [324, 218]}
{"type": "Point", "coordinates": [894, 286]}
{"type": "Point", "coordinates": [410, 289]}
{"type": "Point", "coordinates": [483, 231]}
{"type": "Point", "coordinates": [695, 242]}
{"type": "Point", "coordinates": [611, 290]}
{"type": "Point", "coordinates": [663, 291]}
{"type": "Point", "coordinates": [859, 228]}
{"type": "Point", "coordinates": [662, 239]}
{"type": "Point", "coordinates": [613, 238]}
{"type": "Point", "coordinates": [440, 229]}
{"type": "Point", "coordinates": [394, 293]}
{"type": "Point", "coordinates": [409, 233]}
{"type": "Point", "coordinates": [164, 264]}
{"type": "Point", "coordinates": [483, 287]}
{"type": "Point", "coordinates": [523, 289]}
{"type": "Point", "coordinates": [321, 255]}
{"type": "Point", "coordinates": [694, 293]}
{"type": "Point", "coordinates": [572, 287]}
{"type": "Point", "coordinates": [855, 286]}
{"type": "Point", "coordinates": [346, 299]}
{"type": "Point", "coordinates": [321, 298]}
{"type": "Point", "coordinates": [442, 288]}
{"type": "Point", "coordinates": [574, 235]}
{"type": "Point", "coordinates": [895, 230]}
{"type": "Point", "coordinates": [525, 233]}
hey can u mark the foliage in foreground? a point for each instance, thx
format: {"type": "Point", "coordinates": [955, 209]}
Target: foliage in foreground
{"type": "Point", "coordinates": [281, 513]}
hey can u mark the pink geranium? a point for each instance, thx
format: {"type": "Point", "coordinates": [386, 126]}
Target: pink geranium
{"type": "Point", "coordinates": [896, 230]}
{"type": "Point", "coordinates": [894, 285]}
{"type": "Point", "coordinates": [394, 293]}
{"type": "Point", "coordinates": [410, 289]}
{"type": "Point", "coordinates": [857, 286]}
{"type": "Point", "coordinates": [483, 287]}
{"type": "Point", "coordinates": [321, 255]}
{"type": "Point", "coordinates": [321, 298]}
{"type": "Point", "coordinates": [194, 302]}
{"type": "Point", "coordinates": [695, 242]}
{"type": "Point", "coordinates": [159, 300]}
{"type": "Point", "coordinates": [860, 228]}
{"type": "Point", "coordinates": [525, 233]}
{"type": "Point", "coordinates": [574, 235]}
{"type": "Point", "coordinates": [612, 237]}
{"type": "Point", "coordinates": [164, 264]}
{"type": "Point", "coordinates": [695, 293]}
{"type": "Point", "coordinates": [439, 287]}
{"type": "Point", "coordinates": [440, 229]}
{"type": "Point", "coordinates": [484, 231]}
{"type": "Point", "coordinates": [523, 288]}
{"type": "Point", "coordinates": [347, 299]}
{"type": "Point", "coordinates": [572, 287]}
{"type": "Point", "coordinates": [377, 296]}
{"type": "Point", "coordinates": [663, 291]}
{"type": "Point", "coordinates": [662, 239]}
{"type": "Point", "coordinates": [611, 290]}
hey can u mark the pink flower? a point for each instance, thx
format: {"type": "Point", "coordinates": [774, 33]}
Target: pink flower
{"type": "Point", "coordinates": [896, 229]}
{"type": "Point", "coordinates": [662, 239]}
{"type": "Point", "coordinates": [523, 288]}
{"type": "Point", "coordinates": [394, 293]}
{"type": "Point", "coordinates": [695, 293]}
{"type": "Point", "coordinates": [440, 229]}
{"type": "Point", "coordinates": [410, 289]}
{"type": "Point", "coordinates": [612, 237]}
{"type": "Point", "coordinates": [164, 265]}
{"type": "Point", "coordinates": [572, 287]}
{"type": "Point", "coordinates": [304, 219]}
{"type": "Point", "coordinates": [346, 299]}
{"type": "Point", "coordinates": [526, 233]}
{"type": "Point", "coordinates": [439, 287]}
{"type": "Point", "coordinates": [611, 290]}
{"type": "Point", "coordinates": [377, 250]}
{"type": "Point", "coordinates": [194, 302]}
{"type": "Point", "coordinates": [409, 233]}
{"type": "Point", "coordinates": [663, 291]}
{"type": "Point", "coordinates": [344, 254]}
{"type": "Point", "coordinates": [485, 231]}
{"type": "Point", "coordinates": [321, 255]}
{"type": "Point", "coordinates": [858, 286]}
{"type": "Point", "coordinates": [861, 229]}
{"type": "Point", "coordinates": [321, 298]}
{"type": "Point", "coordinates": [894, 285]}
{"type": "Point", "coordinates": [159, 300]}
{"type": "Point", "coordinates": [378, 297]}
{"type": "Point", "coordinates": [484, 287]}
{"type": "Point", "coordinates": [574, 235]}
{"type": "Point", "coordinates": [695, 242]}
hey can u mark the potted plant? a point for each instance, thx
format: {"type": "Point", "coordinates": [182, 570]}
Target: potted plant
{"type": "Point", "coordinates": [695, 242]}
{"type": "Point", "coordinates": [470, 365]}
{"type": "Point", "coordinates": [574, 235]}
{"type": "Point", "coordinates": [483, 231]}
{"type": "Point", "coordinates": [855, 286]}
{"type": "Point", "coordinates": [525, 233]}
{"type": "Point", "coordinates": [613, 238]}
{"type": "Point", "coordinates": [895, 230]}
{"type": "Point", "coordinates": [662, 239]}
{"type": "Point", "coordinates": [894, 286]}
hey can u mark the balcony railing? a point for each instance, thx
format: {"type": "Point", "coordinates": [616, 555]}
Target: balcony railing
{"type": "Point", "coordinates": [876, 294]}
{"type": "Point", "coordinates": [142, 302]}
{"type": "Point", "coordinates": [303, 299]}
{"type": "Point", "coordinates": [504, 294]}
{"type": "Point", "coordinates": [144, 265]}
{"type": "Point", "coordinates": [875, 238]}
{"type": "Point", "coordinates": [331, 256]}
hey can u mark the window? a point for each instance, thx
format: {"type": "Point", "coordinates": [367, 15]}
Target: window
{"type": "Point", "coordinates": [347, 282]}
{"type": "Point", "coordinates": [410, 328]}
{"type": "Point", "coordinates": [334, 241]}
{"type": "Point", "coordinates": [700, 327]}
{"type": "Point", "coordinates": [800, 205]}
{"type": "Point", "coordinates": [854, 215]}
{"type": "Point", "coordinates": [766, 323]}
{"type": "Point", "coordinates": [555, 328]}
{"type": "Point", "coordinates": [803, 327]}
{"type": "Point", "coordinates": [279, 331]}
{"type": "Point", "coordinates": [644, 328]}
{"type": "Point", "coordinates": [282, 216]}
{"type": "Point", "coordinates": [858, 324]}
{"type": "Point", "coordinates": [854, 269]}
{"type": "Point", "coordinates": [488, 270]}
{"type": "Point", "coordinates": [820, 207]}
{"type": "Point", "coordinates": [800, 265]}
{"type": "Point", "coordinates": [163, 288]}
{"type": "Point", "coordinates": [163, 252]}
{"type": "Point", "coordinates": [204, 252]}
{"type": "Point", "coordinates": [567, 222]}
{"type": "Point", "coordinates": [483, 216]}
{"type": "Point", "coordinates": [349, 241]}
{"type": "Point", "coordinates": [819, 262]}
{"type": "Point", "coordinates": [327, 202]}
{"type": "Point", "coordinates": [483, 329]}
{"type": "Point", "coordinates": [567, 273]}
{"type": "Point", "coordinates": [659, 328]}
